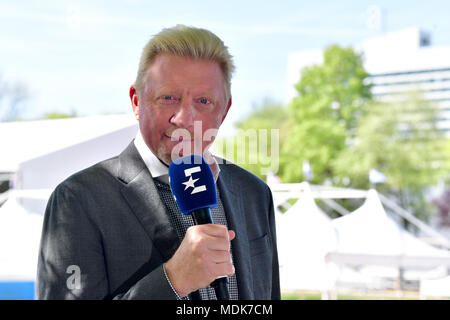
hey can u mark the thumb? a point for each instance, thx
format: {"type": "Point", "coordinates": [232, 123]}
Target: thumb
{"type": "Point", "coordinates": [231, 234]}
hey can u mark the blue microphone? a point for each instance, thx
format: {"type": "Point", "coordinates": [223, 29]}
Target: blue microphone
{"type": "Point", "coordinates": [193, 186]}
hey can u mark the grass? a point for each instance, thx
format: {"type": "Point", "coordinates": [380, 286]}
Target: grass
{"type": "Point", "coordinates": [358, 295]}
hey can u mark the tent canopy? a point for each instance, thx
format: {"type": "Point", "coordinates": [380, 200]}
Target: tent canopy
{"type": "Point", "coordinates": [304, 236]}
{"type": "Point", "coordinates": [43, 153]}
{"type": "Point", "coordinates": [24, 140]}
{"type": "Point", "coordinates": [308, 240]}
{"type": "Point", "coordinates": [19, 241]}
{"type": "Point", "coordinates": [369, 236]}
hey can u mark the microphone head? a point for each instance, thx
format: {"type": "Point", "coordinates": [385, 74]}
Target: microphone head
{"type": "Point", "coordinates": [192, 183]}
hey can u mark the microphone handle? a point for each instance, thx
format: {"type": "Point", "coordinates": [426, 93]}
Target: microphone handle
{"type": "Point", "coordinates": [220, 285]}
{"type": "Point", "coordinates": [202, 216]}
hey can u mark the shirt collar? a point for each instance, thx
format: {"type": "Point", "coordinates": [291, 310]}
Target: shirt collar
{"type": "Point", "coordinates": [157, 169]}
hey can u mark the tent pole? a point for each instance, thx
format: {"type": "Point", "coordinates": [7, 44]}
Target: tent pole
{"type": "Point", "coordinates": [418, 223]}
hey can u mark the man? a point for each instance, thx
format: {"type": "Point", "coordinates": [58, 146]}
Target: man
{"type": "Point", "coordinates": [113, 230]}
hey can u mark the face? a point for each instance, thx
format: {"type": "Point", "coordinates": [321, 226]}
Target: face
{"type": "Point", "coordinates": [183, 102]}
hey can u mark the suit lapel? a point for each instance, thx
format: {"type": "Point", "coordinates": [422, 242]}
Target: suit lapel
{"type": "Point", "coordinates": [143, 198]}
{"type": "Point", "coordinates": [232, 204]}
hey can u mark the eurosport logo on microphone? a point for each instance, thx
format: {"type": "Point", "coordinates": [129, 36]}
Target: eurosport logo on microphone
{"type": "Point", "coordinates": [190, 183]}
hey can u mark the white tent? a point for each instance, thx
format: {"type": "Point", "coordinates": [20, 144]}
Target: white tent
{"type": "Point", "coordinates": [369, 236]}
{"type": "Point", "coordinates": [371, 241]}
{"type": "Point", "coordinates": [41, 154]}
{"type": "Point", "coordinates": [304, 236]}
{"type": "Point", "coordinates": [369, 247]}
{"type": "Point", "coordinates": [25, 140]}
{"type": "Point", "coordinates": [19, 242]}
{"type": "Point", "coordinates": [439, 287]}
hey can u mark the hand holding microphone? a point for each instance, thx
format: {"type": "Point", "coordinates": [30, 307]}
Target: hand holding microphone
{"type": "Point", "coordinates": [204, 256]}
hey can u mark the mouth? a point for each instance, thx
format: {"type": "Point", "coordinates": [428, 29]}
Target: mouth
{"type": "Point", "coordinates": [178, 138]}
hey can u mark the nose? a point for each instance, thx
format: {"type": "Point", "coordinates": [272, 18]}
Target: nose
{"type": "Point", "coordinates": [184, 116]}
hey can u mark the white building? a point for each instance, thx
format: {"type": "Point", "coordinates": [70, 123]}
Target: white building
{"type": "Point", "coordinates": [396, 62]}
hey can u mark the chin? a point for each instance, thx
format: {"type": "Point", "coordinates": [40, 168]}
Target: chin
{"type": "Point", "coordinates": [162, 155]}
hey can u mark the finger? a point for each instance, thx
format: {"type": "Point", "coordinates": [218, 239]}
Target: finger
{"type": "Point", "coordinates": [216, 243]}
{"type": "Point", "coordinates": [215, 230]}
{"type": "Point", "coordinates": [220, 256]}
{"type": "Point", "coordinates": [222, 243]}
{"type": "Point", "coordinates": [225, 268]}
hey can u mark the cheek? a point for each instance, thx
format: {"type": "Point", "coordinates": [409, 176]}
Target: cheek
{"type": "Point", "coordinates": [210, 127]}
{"type": "Point", "coordinates": [151, 128]}
{"type": "Point", "coordinates": [212, 121]}
{"type": "Point", "coordinates": [153, 120]}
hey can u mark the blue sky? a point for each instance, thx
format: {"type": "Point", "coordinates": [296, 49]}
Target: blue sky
{"type": "Point", "coordinates": [83, 55]}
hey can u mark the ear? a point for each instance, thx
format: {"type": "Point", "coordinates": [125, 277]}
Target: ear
{"type": "Point", "coordinates": [134, 101]}
{"type": "Point", "coordinates": [226, 111]}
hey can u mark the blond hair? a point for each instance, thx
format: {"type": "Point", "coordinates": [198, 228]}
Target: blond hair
{"type": "Point", "coordinates": [189, 42]}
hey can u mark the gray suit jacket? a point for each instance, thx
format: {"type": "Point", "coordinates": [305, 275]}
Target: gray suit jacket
{"type": "Point", "coordinates": [106, 233]}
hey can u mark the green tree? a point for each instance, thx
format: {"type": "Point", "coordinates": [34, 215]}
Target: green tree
{"type": "Point", "coordinates": [256, 144]}
{"type": "Point", "coordinates": [59, 115]}
{"type": "Point", "coordinates": [401, 140]}
{"type": "Point", "coordinates": [331, 99]}
{"type": "Point", "coordinates": [266, 115]}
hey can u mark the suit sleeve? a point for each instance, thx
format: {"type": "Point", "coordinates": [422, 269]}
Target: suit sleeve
{"type": "Point", "coordinates": [71, 262]}
{"type": "Point", "coordinates": [276, 292]}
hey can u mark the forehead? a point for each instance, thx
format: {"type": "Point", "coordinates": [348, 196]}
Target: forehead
{"type": "Point", "coordinates": [169, 70]}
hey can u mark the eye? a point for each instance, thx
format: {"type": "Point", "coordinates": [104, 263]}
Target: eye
{"type": "Point", "coordinates": [167, 99]}
{"type": "Point", "coordinates": [204, 101]}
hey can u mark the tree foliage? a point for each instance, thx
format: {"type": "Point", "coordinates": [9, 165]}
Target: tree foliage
{"type": "Point", "coordinates": [59, 115]}
{"type": "Point", "coordinates": [331, 98]}
{"type": "Point", "coordinates": [334, 123]}
{"type": "Point", "coordinates": [401, 140]}
{"type": "Point", "coordinates": [256, 144]}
